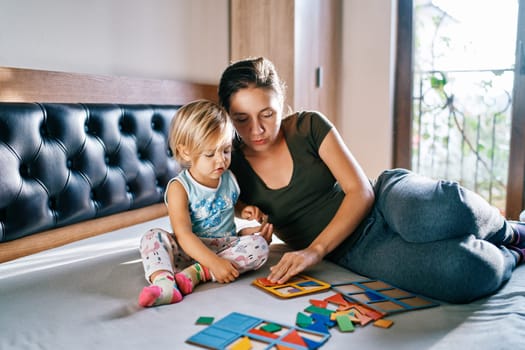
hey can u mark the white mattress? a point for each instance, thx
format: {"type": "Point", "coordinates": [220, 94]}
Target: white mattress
{"type": "Point", "coordinates": [83, 296]}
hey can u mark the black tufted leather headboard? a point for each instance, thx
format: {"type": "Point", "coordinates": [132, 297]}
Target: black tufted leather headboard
{"type": "Point", "coordinates": [65, 163]}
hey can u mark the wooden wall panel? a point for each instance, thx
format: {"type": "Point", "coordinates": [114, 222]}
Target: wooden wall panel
{"type": "Point", "coordinates": [300, 37]}
{"type": "Point", "coordinates": [30, 85]}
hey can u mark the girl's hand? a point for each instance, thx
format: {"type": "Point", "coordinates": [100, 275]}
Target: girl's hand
{"type": "Point", "coordinates": [224, 271]}
{"type": "Point", "coordinates": [293, 263]}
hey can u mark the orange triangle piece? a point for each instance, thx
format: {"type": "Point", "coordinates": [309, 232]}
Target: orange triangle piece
{"type": "Point", "coordinates": [319, 303]}
{"type": "Point", "coordinates": [294, 338]}
{"type": "Point", "coordinates": [336, 299]}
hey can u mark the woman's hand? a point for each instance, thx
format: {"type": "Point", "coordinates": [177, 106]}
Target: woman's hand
{"type": "Point", "coordinates": [265, 230]}
{"type": "Point", "coordinates": [293, 263]}
{"type": "Point", "coordinates": [224, 271]}
{"type": "Point", "coordinates": [251, 212]}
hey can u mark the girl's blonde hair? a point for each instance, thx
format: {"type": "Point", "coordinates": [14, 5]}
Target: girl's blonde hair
{"type": "Point", "coordinates": [198, 125]}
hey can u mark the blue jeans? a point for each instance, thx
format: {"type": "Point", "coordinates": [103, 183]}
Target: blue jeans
{"type": "Point", "coordinates": [433, 238]}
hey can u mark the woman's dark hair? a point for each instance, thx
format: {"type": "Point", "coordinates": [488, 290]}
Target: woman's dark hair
{"type": "Point", "coordinates": [252, 72]}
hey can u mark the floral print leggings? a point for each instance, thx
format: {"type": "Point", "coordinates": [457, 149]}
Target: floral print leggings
{"type": "Point", "coordinates": [160, 251]}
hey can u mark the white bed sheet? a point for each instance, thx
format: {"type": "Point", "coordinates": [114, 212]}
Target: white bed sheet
{"type": "Point", "coordinates": [83, 296]}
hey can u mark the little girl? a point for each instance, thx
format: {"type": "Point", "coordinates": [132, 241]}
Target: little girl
{"type": "Point", "coordinates": [201, 199]}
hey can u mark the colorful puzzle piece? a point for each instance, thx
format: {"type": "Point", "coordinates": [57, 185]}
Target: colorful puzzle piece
{"type": "Point", "coordinates": [311, 344]}
{"type": "Point", "coordinates": [321, 323]}
{"type": "Point", "coordinates": [282, 347]}
{"type": "Point", "coordinates": [337, 299]}
{"type": "Point", "coordinates": [266, 282]}
{"type": "Point", "coordinates": [319, 303]}
{"type": "Point", "coordinates": [318, 310]}
{"type": "Point", "coordinates": [294, 338]}
{"type": "Point", "coordinates": [368, 311]}
{"type": "Point", "coordinates": [344, 323]}
{"type": "Point", "coordinates": [230, 331]}
{"type": "Point", "coordinates": [363, 313]}
{"type": "Point", "coordinates": [206, 320]}
{"type": "Point", "coordinates": [298, 285]}
{"type": "Point", "coordinates": [263, 333]}
{"type": "Point", "coordinates": [383, 323]}
{"type": "Point", "coordinates": [242, 344]}
{"type": "Point", "coordinates": [303, 320]}
{"type": "Point", "coordinates": [363, 319]}
{"type": "Point", "coordinates": [271, 327]}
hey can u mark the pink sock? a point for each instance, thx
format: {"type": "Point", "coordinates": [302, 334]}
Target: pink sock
{"type": "Point", "coordinates": [162, 291]}
{"type": "Point", "coordinates": [188, 278]}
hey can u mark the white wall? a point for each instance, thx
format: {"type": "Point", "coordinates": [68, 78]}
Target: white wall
{"type": "Point", "coordinates": [189, 40]}
{"type": "Point", "coordinates": [168, 39]}
{"type": "Point", "coordinates": [365, 120]}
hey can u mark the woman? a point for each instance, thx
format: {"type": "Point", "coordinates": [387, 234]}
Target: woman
{"type": "Point", "coordinates": [431, 237]}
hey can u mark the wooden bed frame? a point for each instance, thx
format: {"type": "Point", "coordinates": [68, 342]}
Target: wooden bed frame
{"type": "Point", "coordinates": [29, 85]}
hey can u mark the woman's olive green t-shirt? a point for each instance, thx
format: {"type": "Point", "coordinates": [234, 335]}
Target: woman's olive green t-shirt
{"type": "Point", "coordinates": [303, 208]}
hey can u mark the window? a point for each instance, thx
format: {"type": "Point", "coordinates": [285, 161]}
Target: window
{"type": "Point", "coordinates": [458, 114]}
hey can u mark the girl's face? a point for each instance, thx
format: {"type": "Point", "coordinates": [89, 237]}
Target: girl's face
{"type": "Point", "coordinates": [256, 114]}
{"type": "Point", "coordinates": [208, 166]}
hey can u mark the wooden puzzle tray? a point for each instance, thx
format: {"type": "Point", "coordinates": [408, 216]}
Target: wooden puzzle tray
{"type": "Point", "coordinates": [296, 286]}
{"type": "Point", "coordinates": [382, 296]}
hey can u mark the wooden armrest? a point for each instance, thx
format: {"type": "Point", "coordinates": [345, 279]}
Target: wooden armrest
{"type": "Point", "coordinates": [60, 236]}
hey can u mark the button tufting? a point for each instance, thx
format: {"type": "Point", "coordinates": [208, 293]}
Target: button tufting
{"type": "Point", "coordinates": [52, 203]}
{"type": "Point", "coordinates": [125, 125]}
{"type": "Point", "coordinates": [25, 170]}
{"type": "Point", "coordinates": [156, 122]}
{"type": "Point", "coordinates": [50, 140]}
{"type": "Point", "coordinates": [44, 132]}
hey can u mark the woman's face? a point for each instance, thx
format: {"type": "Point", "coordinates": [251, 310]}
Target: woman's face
{"type": "Point", "coordinates": [256, 115]}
